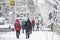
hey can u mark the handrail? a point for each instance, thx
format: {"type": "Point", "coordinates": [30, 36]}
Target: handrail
{"type": "Point", "coordinates": [50, 21]}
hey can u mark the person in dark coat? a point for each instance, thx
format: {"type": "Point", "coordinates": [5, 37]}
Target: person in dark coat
{"type": "Point", "coordinates": [17, 27]}
{"type": "Point", "coordinates": [50, 16]}
{"type": "Point", "coordinates": [37, 29]}
{"type": "Point", "coordinates": [23, 25]}
{"type": "Point", "coordinates": [28, 28]}
{"type": "Point", "coordinates": [33, 24]}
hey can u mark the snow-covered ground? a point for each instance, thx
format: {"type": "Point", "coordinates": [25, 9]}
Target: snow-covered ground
{"type": "Point", "coordinates": [36, 35]}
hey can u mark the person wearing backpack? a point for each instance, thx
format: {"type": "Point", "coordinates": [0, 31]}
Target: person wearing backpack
{"type": "Point", "coordinates": [17, 27]}
{"type": "Point", "coordinates": [37, 29]}
{"type": "Point", "coordinates": [33, 24]}
{"type": "Point", "coordinates": [28, 27]}
{"type": "Point", "coordinates": [23, 25]}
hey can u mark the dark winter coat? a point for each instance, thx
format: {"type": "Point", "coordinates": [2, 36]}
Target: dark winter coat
{"type": "Point", "coordinates": [28, 25]}
{"type": "Point", "coordinates": [17, 25]}
{"type": "Point", "coordinates": [38, 25]}
{"type": "Point", "coordinates": [50, 16]}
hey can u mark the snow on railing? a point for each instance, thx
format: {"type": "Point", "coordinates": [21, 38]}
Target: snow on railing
{"type": "Point", "coordinates": [45, 26]}
{"type": "Point", "coordinates": [56, 29]}
{"type": "Point", "coordinates": [48, 23]}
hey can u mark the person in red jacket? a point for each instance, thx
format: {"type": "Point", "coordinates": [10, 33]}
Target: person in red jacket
{"type": "Point", "coordinates": [17, 27]}
{"type": "Point", "coordinates": [33, 24]}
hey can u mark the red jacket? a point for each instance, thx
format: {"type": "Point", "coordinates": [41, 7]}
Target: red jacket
{"type": "Point", "coordinates": [17, 25]}
{"type": "Point", "coordinates": [33, 22]}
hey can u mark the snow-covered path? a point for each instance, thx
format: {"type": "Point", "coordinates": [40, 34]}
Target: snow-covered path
{"type": "Point", "coordinates": [36, 35]}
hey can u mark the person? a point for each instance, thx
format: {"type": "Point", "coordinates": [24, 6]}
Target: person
{"type": "Point", "coordinates": [23, 25]}
{"type": "Point", "coordinates": [28, 28]}
{"type": "Point", "coordinates": [50, 16]}
{"type": "Point", "coordinates": [41, 22]}
{"type": "Point", "coordinates": [37, 29]}
{"type": "Point", "coordinates": [17, 27]}
{"type": "Point", "coordinates": [33, 24]}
